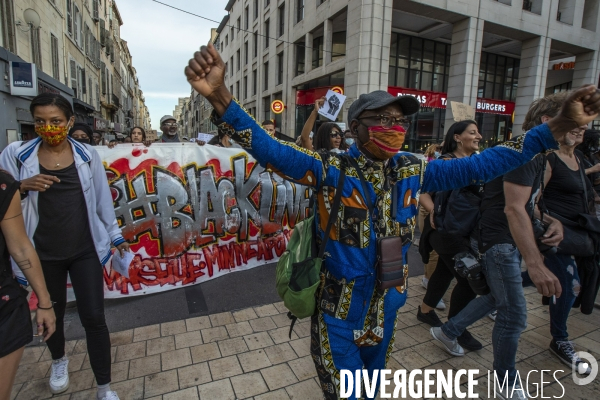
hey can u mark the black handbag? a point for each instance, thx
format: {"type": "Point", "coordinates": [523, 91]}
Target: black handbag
{"type": "Point", "coordinates": [577, 240]}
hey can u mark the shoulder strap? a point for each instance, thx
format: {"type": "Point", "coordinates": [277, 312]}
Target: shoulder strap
{"type": "Point", "coordinates": [551, 158]}
{"type": "Point", "coordinates": [335, 206]}
{"type": "Point", "coordinates": [584, 183]}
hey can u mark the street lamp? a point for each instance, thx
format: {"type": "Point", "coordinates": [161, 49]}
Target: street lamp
{"type": "Point", "coordinates": [32, 18]}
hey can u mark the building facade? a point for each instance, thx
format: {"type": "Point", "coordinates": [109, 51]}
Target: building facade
{"type": "Point", "coordinates": [492, 55]}
{"type": "Point", "coordinates": [77, 45]}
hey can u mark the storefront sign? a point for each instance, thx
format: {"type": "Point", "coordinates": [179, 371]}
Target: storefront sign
{"type": "Point", "coordinates": [192, 214]}
{"type": "Point", "coordinates": [309, 96]}
{"type": "Point", "coordinates": [277, 106]}
{"type": "Point", "coordinates": [439, 100]}
{"type": "Point", "coordinates": [338, 89]}
{"type": "Point", "coordinates": [23, 79]}
{"type": "Point", "coordinates": [563, 65]}
{"type": "Point", "coordinates": [43, 88]}
{"type": "Point", "coordinates": [101, 125]}
{"type": "Point", "coordinates": [490, 106]}
{"type": "Point", "coordinates": [425, 97]}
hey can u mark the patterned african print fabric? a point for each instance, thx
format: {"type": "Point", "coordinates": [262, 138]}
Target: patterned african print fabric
{"type": "Point", "coordinates": [354, 325]}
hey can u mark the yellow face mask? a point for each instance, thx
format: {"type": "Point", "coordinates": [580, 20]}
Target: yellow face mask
{"type": "Point", "coordinates": [52, 134]}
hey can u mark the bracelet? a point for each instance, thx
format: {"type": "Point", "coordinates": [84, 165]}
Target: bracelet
{"type": "Point", "coordinates": [52, 303]}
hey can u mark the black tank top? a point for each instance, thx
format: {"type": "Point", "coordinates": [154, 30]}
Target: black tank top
{"type": "Point", "coordinates": [63, 229]}
{"type": "Point", "coordinates": [564, 194]}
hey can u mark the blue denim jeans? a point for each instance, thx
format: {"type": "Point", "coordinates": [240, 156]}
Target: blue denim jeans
{"type": "Point", "coordinates": [563, 266]}
{"type": "Point", "coordinates": [502, 269]}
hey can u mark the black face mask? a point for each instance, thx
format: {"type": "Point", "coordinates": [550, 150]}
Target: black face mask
{"type": "Point", "coordinates": [81, 140]}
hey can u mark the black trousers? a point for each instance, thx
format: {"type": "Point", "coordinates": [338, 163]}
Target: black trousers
{"type": "Point", "coordinates": [87, 280]}
{"type": "Point", "coordinates": [440, 280]}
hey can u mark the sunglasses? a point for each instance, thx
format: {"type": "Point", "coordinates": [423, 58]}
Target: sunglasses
{"type": "Point", "coordinates": [335, 134]}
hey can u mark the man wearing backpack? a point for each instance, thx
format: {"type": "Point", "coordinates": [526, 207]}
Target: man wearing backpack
{"type": "Point", "coordinates": [506, 235]}
{"type": "Point", "coordinates": [354, 322]}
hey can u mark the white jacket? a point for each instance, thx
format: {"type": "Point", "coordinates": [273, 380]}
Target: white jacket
{"type": "Point", "coordinates": [20, 159]}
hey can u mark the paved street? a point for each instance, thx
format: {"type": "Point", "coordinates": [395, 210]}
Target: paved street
{"type": "Point", "coordinates": [246, 353]}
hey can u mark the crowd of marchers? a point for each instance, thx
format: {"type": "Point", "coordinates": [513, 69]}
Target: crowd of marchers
{"type": "Point", "coordinates": [521, 213]}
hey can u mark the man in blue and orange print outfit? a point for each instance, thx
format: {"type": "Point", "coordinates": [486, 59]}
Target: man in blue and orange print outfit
{"type": "Point", "coordinates": [354, 324]}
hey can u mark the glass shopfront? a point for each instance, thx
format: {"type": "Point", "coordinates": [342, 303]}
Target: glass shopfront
{"type": "Point", "coordinates": [420, 67]}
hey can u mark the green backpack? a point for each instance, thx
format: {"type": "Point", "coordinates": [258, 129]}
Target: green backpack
{"type": "Point", "coordinates": [299, 267]}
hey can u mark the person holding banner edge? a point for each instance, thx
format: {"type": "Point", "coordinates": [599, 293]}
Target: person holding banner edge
{"type": "Point", "coordinates": [354, 324]}
{"type": "Point", "coordinates": [69, 216]}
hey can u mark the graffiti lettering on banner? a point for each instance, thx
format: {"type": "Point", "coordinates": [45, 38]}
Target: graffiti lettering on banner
{"type": "Point", "coordinates": [194, 213]}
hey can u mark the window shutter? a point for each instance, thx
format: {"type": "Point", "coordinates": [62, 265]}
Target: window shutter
{"type": "Point", "coordinates": [69, 18]}
{"type": "Point", "coordinates": [95, 14]}
{"type": "Point", "coordinates": [83, 85]}
{"type": "Point", "coordinates": [73, 76]}
{"type": "Point", "coordinates": [103, 76]}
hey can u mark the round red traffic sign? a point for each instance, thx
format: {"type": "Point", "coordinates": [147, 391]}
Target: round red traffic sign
{"type": "Point", "coordinates": [277, 106]}
{"type": "Point", "coordinates": [338, 89]}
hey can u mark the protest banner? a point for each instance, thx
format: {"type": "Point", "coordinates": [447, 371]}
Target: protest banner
{"type": "Point", "coordinates": [193, 213]}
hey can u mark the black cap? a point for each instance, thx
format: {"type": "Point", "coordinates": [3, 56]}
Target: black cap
{"type": "Point", "coordinates": [381, 98]}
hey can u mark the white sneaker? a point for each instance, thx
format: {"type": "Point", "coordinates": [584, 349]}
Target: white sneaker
{"type": "Point", "coordinates": [441, 305]}
{"type": "Point", "coordinates": [424, 282]}
{"type": "Point", "coordinates": [492, 315]}
{"type": "Point", "coordinates": [451, 346]}
{"type": "Point", "coordinates": [110, 395]}
{"type": "Point", "coordinates": [509, 394]}
{"type": "Point", "coordinates": [59, 378]}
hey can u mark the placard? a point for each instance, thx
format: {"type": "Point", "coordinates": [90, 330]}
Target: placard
{"type": "Point", "coordinates": [462, 111]}
{"type": "Point", "coordinates": [333, 105]}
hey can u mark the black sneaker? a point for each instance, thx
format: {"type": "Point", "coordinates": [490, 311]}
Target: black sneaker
{"type": "Point", "coordinates": [565, 352]}
{"type": "Point", "coordinates": [467, 341]}
{"type": "Point", "coordinates": [430, 318]}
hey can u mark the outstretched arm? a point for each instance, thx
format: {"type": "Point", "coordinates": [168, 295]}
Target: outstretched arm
{"type": "Point", "coordinates": [206, 72]}
{"type": "Point", "coordinates": [310, 123]}
{"type": "Point", "coordinates": [579, 109]}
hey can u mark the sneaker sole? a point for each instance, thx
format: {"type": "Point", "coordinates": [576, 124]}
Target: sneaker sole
{"type": "Point", "coordinates": [440, 308]}
{"type": "Point", "coordinates": [61, 390]}
{"type": "Point", "coordinates": [444, 345]}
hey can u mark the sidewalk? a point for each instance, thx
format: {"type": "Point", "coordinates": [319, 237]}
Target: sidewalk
{"type": "Point", "coordinates": [247, 354]}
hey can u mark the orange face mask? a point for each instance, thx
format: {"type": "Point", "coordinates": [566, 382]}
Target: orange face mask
{"type": "Point", "coordinates": [52, 134]}
{"type": "Point", "coordinates": [385, 143]}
